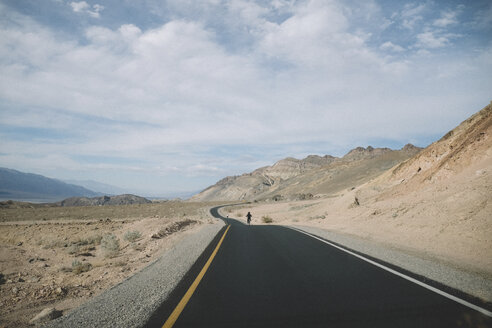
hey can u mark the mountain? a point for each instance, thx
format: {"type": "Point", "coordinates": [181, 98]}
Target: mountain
{"type": "Point", "coordinates": [104, 200]}
{"type": "Point", "coordinates": [292, 178]}
{"type": "Point", "coordinates": [98, 186]}
{"type": "Point", "coordinates": [17, 185]}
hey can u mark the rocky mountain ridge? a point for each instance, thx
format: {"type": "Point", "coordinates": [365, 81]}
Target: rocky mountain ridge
{"type": "Point", "coordinates": [301, 178]}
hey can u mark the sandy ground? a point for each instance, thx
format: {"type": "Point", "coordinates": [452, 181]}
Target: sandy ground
{"type": "Point", "coordinates": [449, 222]}
{"type": "Point", "coordinates": [39, 259]}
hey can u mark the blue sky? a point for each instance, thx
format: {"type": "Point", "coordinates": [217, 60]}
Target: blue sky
{"type": "Point", "coordinates": [161, 97]}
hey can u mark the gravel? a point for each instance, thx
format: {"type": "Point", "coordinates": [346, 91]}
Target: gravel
{"type": "Point", "coordinates": [133, 301]}
{"type": "Point", "coordinates": [468, 282]}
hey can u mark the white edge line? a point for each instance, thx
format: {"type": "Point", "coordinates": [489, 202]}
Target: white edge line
{"type": "Point", "coordinates": [420, 283]}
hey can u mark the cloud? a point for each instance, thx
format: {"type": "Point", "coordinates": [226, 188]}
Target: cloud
{"type": "Point", "coordinates": [84, 7]}
{"type": "Point", "coordinates": [315, 30]}
{"type": "Point", "coordinates": [412, 14]}
{"type": "Point", "coordinates": [434, 39]}
{"type": "Point", "coordinates": [390, 46]}
{"type": "Point", "coordinates": [177, 98]}
{"type": "Point", "coordinates": [79, 6]}
{"type": "Point", "coordinates": [447, 18]}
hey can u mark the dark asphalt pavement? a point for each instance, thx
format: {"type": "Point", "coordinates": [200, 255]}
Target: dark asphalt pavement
{"type": "Point", "coordinates": [272, 276]}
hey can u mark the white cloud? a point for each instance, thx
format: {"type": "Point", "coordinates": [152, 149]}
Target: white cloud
{"type": "Point", "coordinates": [411, 15]}
{"type": "Point", "coordinates": [84, 7]}
{"type": "Point", "coordinates": [79, 6]}
{"type": "Point", "coordinates": [447, 18]}
{"type": "Point", "coordinates": [98, 8]}
{"type": "Point", "coordinates": [313, 32]}
{"type": "Point", "coordinates": [390, 46]}
{"type": "Point", "coordinates": [434, 39]}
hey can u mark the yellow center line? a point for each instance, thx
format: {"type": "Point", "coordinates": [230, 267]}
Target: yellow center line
{"type": "Point", "coordinates": [181, 305]}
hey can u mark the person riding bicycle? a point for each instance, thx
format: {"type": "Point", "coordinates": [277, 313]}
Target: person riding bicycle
{"type": "Point", "coordinates": [249, 217]}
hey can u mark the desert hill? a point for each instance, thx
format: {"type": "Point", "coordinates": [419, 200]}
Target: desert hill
{"type": "Point", "coordinates": [461, 148]}
{"type": "Point", "coordinates": [292, 178]}
{"type": "Point", "coordinates": [17, 185]}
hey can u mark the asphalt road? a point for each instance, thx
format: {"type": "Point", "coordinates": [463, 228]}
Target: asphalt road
{"type": "Point", "coordinates": [272, 276]}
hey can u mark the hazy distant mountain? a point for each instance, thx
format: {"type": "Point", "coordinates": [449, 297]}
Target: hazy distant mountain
{"type": "Point", "coordinates": [292, 178]}
{"type": "Point", "coordinates": [104, 200]}
{"type": "Point", "coordinates": [98, 187]}
{"type": "Point", "coordinates": [17, 185]}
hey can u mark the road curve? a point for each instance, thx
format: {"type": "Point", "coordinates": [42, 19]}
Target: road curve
{"type": "Point", "coordinates": [273, 276]}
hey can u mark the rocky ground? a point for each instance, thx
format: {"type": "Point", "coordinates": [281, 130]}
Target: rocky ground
{"type": "Point", "coordinates": [60, 260]}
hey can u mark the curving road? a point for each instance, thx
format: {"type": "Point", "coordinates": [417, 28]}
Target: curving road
{"type": "Point", "coordinates": [273, 276]}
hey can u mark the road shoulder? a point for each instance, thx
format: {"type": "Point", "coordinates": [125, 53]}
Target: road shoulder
{"type": "Point", "coordinates": [431, 269]}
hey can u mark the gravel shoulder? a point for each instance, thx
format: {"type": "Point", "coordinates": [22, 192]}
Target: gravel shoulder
{"type": "Point", "coordinates": [132, 302]}
{"type": "Point", "coordinates": [468, 282]}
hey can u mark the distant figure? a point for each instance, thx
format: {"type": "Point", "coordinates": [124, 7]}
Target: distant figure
{"type": "Point", "coordinates": [249, 217]}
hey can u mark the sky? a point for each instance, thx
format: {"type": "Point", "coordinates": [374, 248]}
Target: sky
{"type": "Point", "coordinates": [165, 97]}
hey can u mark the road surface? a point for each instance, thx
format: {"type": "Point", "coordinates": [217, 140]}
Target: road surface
{"type": "Point", "coordinates": [273, 276]}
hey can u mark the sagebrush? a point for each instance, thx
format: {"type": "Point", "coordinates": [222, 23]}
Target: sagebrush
{"type": "Point", "coordinates": [79, 267]}
{"type": "Point", "coordinates": [110, 245]}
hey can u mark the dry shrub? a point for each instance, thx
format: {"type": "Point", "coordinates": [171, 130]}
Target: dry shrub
{"type": "Point", "coordinates": [79, 267]}
{"type": "Point", "coordinates": [110, 245]}
{"type": "Point", "coordinates": [266, 219]}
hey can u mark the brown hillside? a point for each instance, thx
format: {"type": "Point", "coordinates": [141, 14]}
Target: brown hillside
{"type": "Point", "coordinates": [463, 147]}
{"type": "Point", "coordinates": [292, 178]}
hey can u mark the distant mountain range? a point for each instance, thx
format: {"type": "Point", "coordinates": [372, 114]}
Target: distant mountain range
{"type": "Point", "coordinates": [29, 187]}
{"type": "Point", "coordinates": [98, 186]}
{"type": "Point", "coordinates": [15, 185]}
{"type": "Point", "coordinates": [292, 178]}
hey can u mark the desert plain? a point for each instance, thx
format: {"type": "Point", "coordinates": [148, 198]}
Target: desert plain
{"type": "Point", "coordinates": [62, 256]}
